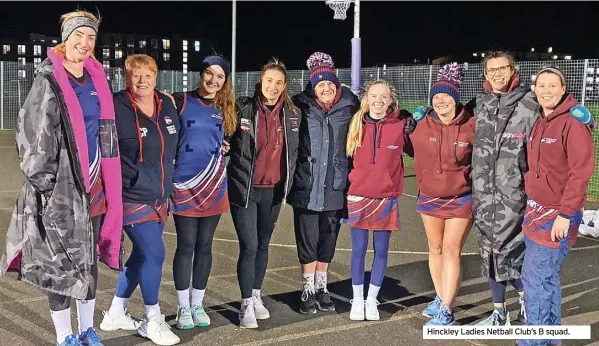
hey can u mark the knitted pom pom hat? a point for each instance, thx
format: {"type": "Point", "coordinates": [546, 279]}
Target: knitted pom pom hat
{"type": "Point", "coordinates": [449, 79]}
{"type": "Point", "coordinates": [321, 68]}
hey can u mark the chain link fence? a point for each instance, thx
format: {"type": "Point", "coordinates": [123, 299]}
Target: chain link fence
{"type": "Point", "coordinates": [412, 84]}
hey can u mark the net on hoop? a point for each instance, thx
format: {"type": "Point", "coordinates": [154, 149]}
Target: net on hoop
{"type": "Point", "coordinates": [340, 7]}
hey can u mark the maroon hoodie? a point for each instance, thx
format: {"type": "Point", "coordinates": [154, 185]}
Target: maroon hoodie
{"type": "Point", "coordinates": [561, 160]}
{"type": "Point", "coordinates": [378, 167]}
{"type": "Point", "coordinates": [443, 154]}
{"type": "Point", "coordinates": [270, 141]}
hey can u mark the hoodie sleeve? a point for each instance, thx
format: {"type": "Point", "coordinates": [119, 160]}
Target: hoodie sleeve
{"type": "Point", "coordinates": [580, 150]}
{"type": "Point", "coordinates": [408, 147]}
{"type": "Point", "coordinates": [37, 136]}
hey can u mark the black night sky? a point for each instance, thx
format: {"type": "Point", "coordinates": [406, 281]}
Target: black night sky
{"type": "Point", "coordinates": [392, 32]}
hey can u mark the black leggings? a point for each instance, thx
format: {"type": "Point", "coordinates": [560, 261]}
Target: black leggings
{"type": "Point", "coordinates": [59, 302]}
{"type": "Point", "coordinates": [194, 241]}
{"type": "Point", "coordinates": [254, 226]}
{"type": "Point", "coordinates": [316, 234]}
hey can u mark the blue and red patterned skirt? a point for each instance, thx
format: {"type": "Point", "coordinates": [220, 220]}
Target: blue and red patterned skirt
{"type": "Point", "coordinates": [374, 214]}
{"type": "Point", "coordinates": [445, 208]}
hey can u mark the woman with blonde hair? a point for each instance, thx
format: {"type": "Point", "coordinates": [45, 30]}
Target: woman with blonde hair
{"type": "Point", "coordinates": [200, 197]}
{"type": "Point", "coordinates": [262, 162]}
{"type": "Point", "coordinates": [148, 128]}
{"type": "Point", "coordinates": [377, 138]}
{"type": "Point", "coordinates": [70, 204]}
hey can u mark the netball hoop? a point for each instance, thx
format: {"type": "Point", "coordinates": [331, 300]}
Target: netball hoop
{"type": "Point", "coordinates": [340, 7]}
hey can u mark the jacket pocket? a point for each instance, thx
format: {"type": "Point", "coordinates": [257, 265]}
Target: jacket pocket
{"type": "Point", "coordinates": [109, 146]}
{"type": "Point", "coordinates": [340, 175]}
{"type": "Point", "coordinates": [371, 183]}
{"type": "Point", "coordinates": [443, 184]}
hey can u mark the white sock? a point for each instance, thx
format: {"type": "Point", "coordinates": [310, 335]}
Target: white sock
{"type": "Point", "coordinates": [152, 311]}
{"type": "Point", "coordinates": [358, 291]}
{"type": "Point", "coordinates": [256, 293]}
{"type": "Point", "coordinates": [308, 282]}
{"type": "Point", "coordinates": [320, 280]}
{"type": "Point", "coordinates": [62, 324]}
{"type": "Point", "coordinates": [197, 297]}
{"type": "Point", "coordinates": [183, 298]}
{"type": "Point", "coordinates": [373, 291]}
{"type": "Point", "coordinates": [85, 314]}
{"type": "Point", "coordinates": [118, 306]}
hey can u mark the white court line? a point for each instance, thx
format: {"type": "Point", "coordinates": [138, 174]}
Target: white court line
{"type": "Point", "coordinates": [397, 252]}
{"type": "Point", "coordinates": [163, 283]}
{"type": "Point", "coordinates": [291, 246]}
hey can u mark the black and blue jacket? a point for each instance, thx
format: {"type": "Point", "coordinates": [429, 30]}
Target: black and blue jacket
{"type": "Point", "coordinates": [148, 146]}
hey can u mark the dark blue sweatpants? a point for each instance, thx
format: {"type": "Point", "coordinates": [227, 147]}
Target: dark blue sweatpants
{"type": "Point", "coordinates": [144, 266]}
{"type": "Point", "coordinates": [542, 287]}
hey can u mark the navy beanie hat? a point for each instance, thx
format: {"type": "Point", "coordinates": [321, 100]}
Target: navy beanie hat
{"type": "Point", "coordinates": [449, 80]}
{"type": "Point", "coordinates": [321, 68]}
{"type": "Point", "coordinates": [216, 60]}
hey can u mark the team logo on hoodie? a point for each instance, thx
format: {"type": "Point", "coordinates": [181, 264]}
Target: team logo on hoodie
{"type": "Point", "coordinates": [168, 120]}
{"type": "Point", "coordinates": [548, 140]}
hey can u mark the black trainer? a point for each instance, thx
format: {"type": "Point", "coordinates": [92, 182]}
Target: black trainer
{"type": "Point", "coordinates": [308, 302]}
{"type": "Point", "coordinates": [323, 300]}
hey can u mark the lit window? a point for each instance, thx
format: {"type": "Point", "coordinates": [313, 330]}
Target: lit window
{"type": "Point", "coordinates": [184, 83]}
{"type": "Point", "coordinates": [21, 49]}
{"type": "Point", "coordinates": [185, 78]}
{"type": "Point", "coordinates": [54, 41]}
{"type": "Point", "coordinates": [185, 54]}
{"type": "Point", "coordinates": [197, 46]}
{"type": "Point", "coordinates": [142, 44]}
{"type": "Point", "coordinates": [22, 74]}
{"type": "Point", "coordinates": [184, 68]}
{"type": "Point", "coordinates": [106, 64]}
{"type": "Point", "coordinates": [6, 49]}
{"type": "Point", "coordinates": [166, 44]}
{"type": "Point", "coordinates": [184, 43]}
{"type": "Point", "coordinates": [184, 89]}
{"type": "Point", "coordinates": [118, 54]}
{"type": "Point", "coordinates": [37, 50]}
{"type": "Point", "coordinates": [21, 61]}
{"type": "Point", "coordinates": [184, 59]}
{"type": "Point", "coordinates": [166, 56]}
{"type": "Point", "coordinates": [106, 53]}
{"type": "Point", "coordinates": [37, 61]}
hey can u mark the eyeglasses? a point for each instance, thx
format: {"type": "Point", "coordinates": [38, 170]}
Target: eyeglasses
{"type": "Point", "coordinates": [501, 69]}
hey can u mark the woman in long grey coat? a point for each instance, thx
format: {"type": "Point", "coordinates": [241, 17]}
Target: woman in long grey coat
{"type": "Point", "coordinates": [70, 202]}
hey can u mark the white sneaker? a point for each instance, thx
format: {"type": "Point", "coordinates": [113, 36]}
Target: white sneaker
{"type": "Point", "coordinates": [247, 316]}
{"type": "Point", "coordinates": [157, 330]}
{"type": "Point", "coordinates": [260, 310]}
{"type": "Point", "coordinates": [124, 321]}
{"type": "Point", "coordinates": [200, 317]}
{"type": "Point", "coordinates": [357, 309]}
{"type": "Point", "coordinates": [184, 319]}
{"type": "Point", "coordinates": [372, 312]}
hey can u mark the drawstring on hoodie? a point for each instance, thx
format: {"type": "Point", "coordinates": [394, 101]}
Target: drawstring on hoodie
{"type": "Point", "coordinates": [157, 109]}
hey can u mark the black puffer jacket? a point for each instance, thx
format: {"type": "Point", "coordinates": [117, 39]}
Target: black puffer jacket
{"type": "Point", "coordinates": [243, 149]}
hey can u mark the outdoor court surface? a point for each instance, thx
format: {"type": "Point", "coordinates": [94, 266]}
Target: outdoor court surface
{"type": "Point", "coordinates": [25, 318]}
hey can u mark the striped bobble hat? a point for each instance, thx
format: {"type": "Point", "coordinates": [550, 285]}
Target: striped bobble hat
{"type": "Point", "coordinates": [321, 68]}
{"type": "Point", "coordinates": [449, 79]}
